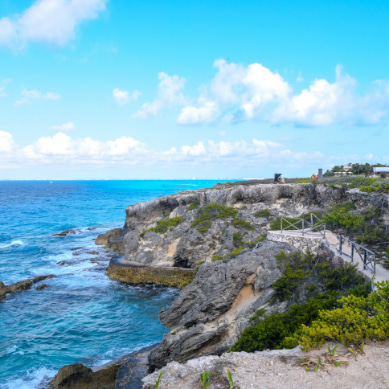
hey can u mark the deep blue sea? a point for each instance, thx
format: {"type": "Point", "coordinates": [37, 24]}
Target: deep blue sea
{"type": "Point", "coordinates": [82, 316]}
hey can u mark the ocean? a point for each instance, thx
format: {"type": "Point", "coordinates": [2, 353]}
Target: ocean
{"type": "Point", "coordinates": [82, 316]}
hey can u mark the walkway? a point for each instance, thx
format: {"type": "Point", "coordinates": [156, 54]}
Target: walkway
{"type": "Point", "coordinates": [331, 240]}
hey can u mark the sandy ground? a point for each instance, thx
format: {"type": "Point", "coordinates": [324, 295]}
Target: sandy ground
{"type": "Point", "coordinates": [282, 369]}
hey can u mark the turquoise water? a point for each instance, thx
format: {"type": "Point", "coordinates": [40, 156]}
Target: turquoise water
{"type": "Point", "coordinates": [82, 316]}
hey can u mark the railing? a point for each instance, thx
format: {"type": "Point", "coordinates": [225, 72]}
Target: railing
{"type": "Point", "coordinates": [304, 226]}
{"type": "Point", "coordinates": [365, 255]}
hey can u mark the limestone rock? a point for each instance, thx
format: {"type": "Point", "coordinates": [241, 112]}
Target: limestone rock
{"type": "Point", "coordinates": [208, 315]}
{"type": "Point", "coordinates": [78, 376]}
{"type": "Point", "coordinates": [113, 239]}
{"type": "Point", "coordinates": [21, 285]}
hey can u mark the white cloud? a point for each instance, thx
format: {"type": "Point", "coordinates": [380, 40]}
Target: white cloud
{"type": "Point", "coordinates": [69, 126]}
{"type": "Point", "coordinates": [169, 95]}
{"type": "Point", "coordinates": [28, 95]}
{"type": "Point", "coordinates": [61, 149]}
{"type": "Point", "coordinates": [244, 93]}
{"type": "Point", "coordinates": [6, 142]}
{"type": "Point", "coordinates": [123, 97]}
{"type": "Point", "coordinates": [207, 112]}
{"type": "Point", "coordinates": [3, 86]}
{"type": "Point", "coordinates": [299, 78]}
{"type": "Point", "coordinates": [49, 21]}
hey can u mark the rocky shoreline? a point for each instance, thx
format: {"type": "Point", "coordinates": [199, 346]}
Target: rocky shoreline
{"type": "Point", "coordinates": [212, 244]}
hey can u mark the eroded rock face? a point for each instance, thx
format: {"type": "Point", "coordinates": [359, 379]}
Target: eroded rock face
{"type": "Point", "coordinates": [113, 239]}
{"type": "Point", "coordinates": [184, 246]}
{"type": "Point", "coordinates": [208, 315]}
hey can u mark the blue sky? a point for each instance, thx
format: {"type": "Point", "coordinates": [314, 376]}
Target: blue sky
{"type": "Point", "coordinates": [182, 89]}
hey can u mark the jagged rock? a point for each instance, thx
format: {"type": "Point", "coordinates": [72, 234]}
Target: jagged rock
{"type": "Point", "coordinates": [183, 246]}
{"type": "Point", "coordinates": [113, 239]}
{"type": "Point", "coordinates": [209, 314]}
{"type": "Point", "coordinates": [21, 285]}
{"type": "Point", "coordinates": [42, 286]}
{"type": "Point", "coordinates": [125, 372]}
{"type": "Point", "coordinates": [78, 376]}
{"type": "Point", "coordinates": [67, 232]}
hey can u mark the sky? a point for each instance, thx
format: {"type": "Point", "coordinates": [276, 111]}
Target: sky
{"type": "Point", "coordinates": [146, 89]}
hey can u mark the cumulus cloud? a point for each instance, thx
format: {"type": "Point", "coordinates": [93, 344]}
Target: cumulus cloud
{"type": "Point", "coordinates": [124, 97]}
{"type": "Point", "coordinates": [243, 93]}
{"type": "Point", "coordinates": [69, 126]}
{"type": "Point", "coordinates": [169, 95]}
{"type": "Point", "coordinates": [6, 142]}
{"type": "Point", "coordinates": [49, 21]}
{"type": "Point", "coordinates": [3, 86]}
{"type": "Point", "coordinates": [62, 149]}
{"type": "Point", "coordinates": [28, 95]}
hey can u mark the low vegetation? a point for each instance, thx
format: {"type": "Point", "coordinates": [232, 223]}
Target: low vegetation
{"type": "Point", "coordinates": [363, 225]}
{"type": "Point", "coordinates": [357, 319]}
{"type": "Point", "coordinates": [164, 225]}
{"type": "Point", "coordinates": [207, 214]}
{"type": "Point", "coordinates": [195, 204]}
{"type": "Point", "coordinates": [370, 185]}
{"type": "Point", "coordinates": [262, 213]}
{"type": "Point", "coordinates": [304, 278]}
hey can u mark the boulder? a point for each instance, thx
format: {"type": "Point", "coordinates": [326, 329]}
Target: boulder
{"type": "Point", "coordinates": [21, 285]}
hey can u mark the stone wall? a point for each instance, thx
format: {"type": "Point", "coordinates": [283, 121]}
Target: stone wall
{"type": "Point", "coordinates": [301, 243]}
{"type": "Point", "coordinates": [135, 273]}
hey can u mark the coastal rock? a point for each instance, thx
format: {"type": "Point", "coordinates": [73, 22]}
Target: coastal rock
{"type": "Point", "coordinates": [208, 315]}
{"type": "Point", "coordinates": [72, 231]}
{"type": "Point", "coordinates": [112, 239]}
{"type": "Point", "coordinates": [42, 286]}
{"type": "Point", "coordinates": [184, 246]}
{"type": "Point", "coordinates": [135, 273]}
{"type": "Point", "coordinates": [21, 285]}
{"type": "Point", "coordinates": [78, 376]}
{"type": "Point", "coordinates": [125, 372]}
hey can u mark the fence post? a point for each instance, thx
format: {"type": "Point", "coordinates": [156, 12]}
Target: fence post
{"type": "Point", "coordinates": [352, 252]}
{"type": "Point", "coordinates": [364, 259]}
{"type": "Point", "coordinates": [340, 244]}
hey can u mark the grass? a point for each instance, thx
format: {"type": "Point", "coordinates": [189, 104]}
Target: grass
{"type": "Point", "coordinates": [262, 213]}
{"type": "Point", "coordinates": [164, 225]}
{"type": "Point", "coordinates": [207, 214]}
{"type": "Point", "coordinates": [195, 204]}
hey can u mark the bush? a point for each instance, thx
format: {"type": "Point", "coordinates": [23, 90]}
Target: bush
{"type": "Point", "coordinates": [195, 204]}
{"type": "Point", "coordinates": [317, 280]}
{"type": "Point", "coordinates": [363, 225]}
{"type": "Point", "coordinates": [237, 239]}
{"type": "Point", "coordinates": [357, 319]}
{"type": "Point", "coordinates": [164, 225]}
{"type": "Point", "coordinates": [206, 215]}
{"type": "Point", "coordinates": [240, 223]}
{"type": "Point", "coordinates": [262, 213]}
{"type": "Point", "coordinates": [369, 185]}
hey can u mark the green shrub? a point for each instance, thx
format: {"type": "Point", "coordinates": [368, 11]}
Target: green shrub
{"type": "Point", "coordinates": [357, 319]}
{"type": "Point", "coordinates": [309, 275]}
{"type": "Point", "coordinates": [195, 204]}
{"type": "Point", "coordinates": [230, 255]}
{"type": "Point", "coordinates": [237, 239]}
{"type": "Point", "coordinates": [164, 225]}
{"type": "Point", "coordinates": [369, 185]}
{"type": "Point", "coordinates": [262, 213]}
{"type": "Point", "coordinates": [207, 214]}
{"type": "Point", "coordinates": [363, 225]}
{"type": "Point", "coordinates": [240, 223]}
{"type": "Point", "coordinates": [166, 213]}
{"type": "Point", "coordinates": [198, 264]}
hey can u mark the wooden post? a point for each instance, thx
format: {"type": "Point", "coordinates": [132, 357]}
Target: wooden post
{"type": "Point", "coordinates": [340, 244]}
{"type": "Point", "coordinates": [352, 252]}
{"type": "Point", "coordinates": [364, 259]}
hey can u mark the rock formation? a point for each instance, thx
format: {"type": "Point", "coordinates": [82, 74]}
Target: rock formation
{"type": "Point", "coordinates": [22, 285]}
